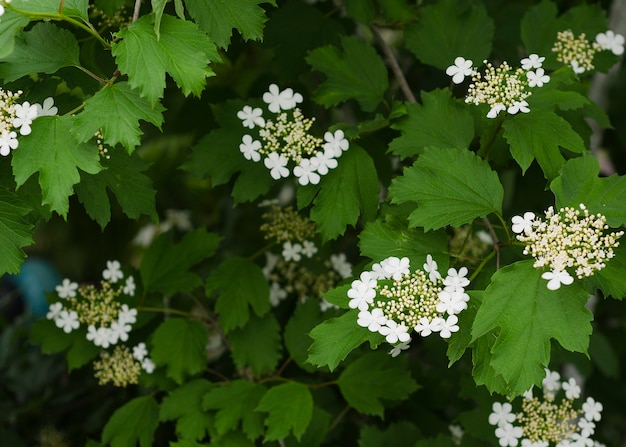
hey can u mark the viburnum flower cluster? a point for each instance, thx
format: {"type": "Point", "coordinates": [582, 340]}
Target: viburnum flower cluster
{"type": "Point", "coordinates": [284, 141]}
{"type": "Point", "coordinates": [570, 241]}
{"type": "Point", "coordinates": [107, 318]}
{"type": "Point", "coordinates": [392, 300]}
{"type": "Point", "coordinates": [502, 88]}
{"type": "Point", "coordinates": [557, 419]}
{"type": "Point", "coordinates": [578, 52]}
{"type": "Point", "coordinates": [16, 118]}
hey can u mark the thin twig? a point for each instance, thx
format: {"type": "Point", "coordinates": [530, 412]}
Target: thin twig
{"type": "Point", "coordinates": [496, 241]}
{"type": "Point", "coordinates": [393, 64]}
{"type": "Point", "coordinates": [136, 10]}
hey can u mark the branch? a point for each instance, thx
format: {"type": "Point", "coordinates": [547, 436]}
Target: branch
{"type": "Point", "coordinates": [136, 10]}
{"type": "Point", "coordinates": [496, 241]}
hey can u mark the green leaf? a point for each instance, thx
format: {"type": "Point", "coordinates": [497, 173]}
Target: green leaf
{"type": "Point", "coordinates": [15, 231]}
{"type": "Point", "coordinates": [428, 124]}
{"type": "Point", "coordinates": [529, 315]}
{"type": "Point", "coordinates": [446, 30]}
{"type": "Point", "coordinates": [346, 191]}
{"type": "Point", "coordinates": [463, 338]}
{"type": "Point", "coordinates": [450, 186]}
{"type": "Point", "coordinates": [11, 23]}
{"type": "Point", "coordinates": [361, 10]}
{"type": "Point", "coordinates": [58, 164]}
{"type": "Point", "coordinates": [183, 51]}
{"type": "Point", "coordinates": [399, 433]}
{"type": "Point", "coordinates": [335, 338]}
{"type": "Point", "coordinates": [235, 402]}
{"type": "Point", "coordinates": [539, 28]}
{"type": "Point", "coordinates": [184, 405]}
{"type": "Point", "coordinates": [71, 8]}
{"type": "Point", "coordinates": [222, 16]}
{"type": "Point", "coordinates": [50, 338]}
{"type": "Point", "coordinates": [538, 135]}
{"type": "Point", "coordinates": [243, 287]}
{"type": "Point", "coordinates": [45, 48]}
{"type": "Point", "coordinates": [356, 73]}
{"type": "Point", "coordinates": [158, 7]}
{"type": "Point", "coordinates": [122, 175]}
{"type": "Point", "coordinates": [116, 110]}
{"type": "Point", "coordinates": [257, 345]}
{"type": "Point", "coordinates": [81, 352]}
{"type": "Point", "coordinates": [297, 340]}
{"type": "Point", "coordinates": [604, 355]}
{"type": "Point", "coordinates": [375, 377]}
{"type": "Point", "coordinates": [290, 407]}
{"type": "Point", "coordinates": [611, 278]}
{"type": "Point", "coordinates": [132, 423]}
{"type": "Point", "coordinates": [180, 345]}
{"type": "Point", "coordinates": [165, 265]}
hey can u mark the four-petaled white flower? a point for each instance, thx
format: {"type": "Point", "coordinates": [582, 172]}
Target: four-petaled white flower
{"type": "Point", "coordinates": [431, 268]}
{"type": "Point", "coordinates": [277, 164]}
{"type": "Point", "coordinates": [502, 414]}
{"type": "Point", "coordinates": [394, 332]}
{"type": "Point", "coordinates": [571, 388]}
{"type": "Point", "coordinates": [277, 100]}
{"type": "Point", "coordinates": [140, 351]}
{"type": "Point", "coordinates": [448, 326]}
{"type": "Point", "coordinates": [592, 410]}
{"type": "Point", "coordinates": [556, 278]}
{"type": "Point", "coordinates": [308, 249]}
{"type": "Point", "coordinates": [67, 289]}
{"type": "Point", "coordinates": [532, 61]}
{"type": "Point", "coordinates": [456, 280]}
{"type": "Point", "coordinates": [251, 117]}
{"type": "Point", "coordinates": [395, 267]}
{"type": "Point", "coordinates": [397, 349]}
{"type": "Point", "coordinates": [54, 311]}
{"type": "Point", "coordinates": [250, 148]}
{"type": "Point", "coordinates": [292, 252]}
{"type": "Point", "coordinates": [537, 78]}
{"type": "Point", "coordinates": [68, 321]}
{"type": "Point", "coordinates": [129, 286]}
{"type": "Point", "coordinates": [508, 435]}
{"type": "Point", "coordinates": [47, 108]}
{"type": "Point", "coordinates": [277, 294]}
{"type": "Point", "coordinates": [305, 172]}
{"type": "Point", "coordinates": [460, 70]}
{"type": "Point", "coordinates": [325, 161]}
{"type": "Point", "coordinates": [611, 41]}
{"type": "Point", "coordinates": [518, 106]}
{"type": "Point", "coordinates": [336, 143]}
{"type": "Point", "coordinates": [8, 141]}
{"type": "Point", "coordinates": [495, 110]}
{"type": "Point", "coordinates": [523, 223]}
{"type": "Point", "coordinates": [24, 116]}
{"type": "Point", "coordinates": [113, 271]}
{"type": "Point", "coordinates": [372, 320]}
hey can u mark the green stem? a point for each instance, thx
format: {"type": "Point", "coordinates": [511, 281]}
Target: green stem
{"type": "Point", "coordinates": [170, 311]}
{"type": "Point", "coordinates": [506, 228]}
{"type": "Point", "coordinates": [489, 137]}
{"type": "Point", "coordinates": [261, 251]}
{"type": "Point", "coordinates": [75, 110]}
{"type": "Point", "coordinates": [91, 74]}
{"type": "Point", "coordinates": [482, 265]}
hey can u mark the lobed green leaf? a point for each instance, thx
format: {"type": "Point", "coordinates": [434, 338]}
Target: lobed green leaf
{"type": "Point", "coordinates": [184, 405]}
{"type": "Point", "coordinates": [132, 423]}
{"type": "Point", "coordinates": [290, 408]}
{"type": "Point", "coordinates": [15, 231]}
{"type": "Point", "coordinates": [257, 345]}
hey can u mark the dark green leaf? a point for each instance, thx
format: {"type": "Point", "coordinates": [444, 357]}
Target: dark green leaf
{"type": "Point", "coordinates": [257, 345]}
{"type": "Point", "coordinates": [15, 231]}
{"type": "Point", "coordinates": [290, 407]}
{"type": "Point", "coordinates": [184, 406]}
{"type": "Point", "coordinates": [132, 423]}
{"type": "Point", "coordinates": [400, 433]}
{"type": "Point", "coordinates": [12, 22]}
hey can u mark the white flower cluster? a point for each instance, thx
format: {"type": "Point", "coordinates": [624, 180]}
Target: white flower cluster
{"type": "Point", "coordinates": [548, 421]}
{"type": "Point", "coordinates": [501, 88]}
{"type": "Point", "coordinates": [569, 239]}
{"type": "Point", "coordinates": [16, 118]}
{"type": "Point", "coordinates": [108, 320]}
{"type": "Point", "coordinates": [578, 52]}
{"type": "Point", "coordinates": [392, 300]}
{"type": "Point", "coordinates": [286, 139]}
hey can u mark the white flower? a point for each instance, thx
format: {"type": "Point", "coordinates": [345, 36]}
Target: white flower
{"type": "Point", "coordinates": [394, 332]}
{"type": "Point", "coordinates": [341, 265]}
{"type": "Point", "coordinates": [495, 110]}
{"type": "Point", "coordinates": [502, 414]}
{"type": "Point", "coordinates": [8, 141]}
{"type": "Point", "coordinates": [325, 305]}
{"type": "Point", "coordinates": [581, 440]}
{"type": "Point", "coordinates": [518, 106]}
{"type": "Point", "coordinates": [24, 116]}
{"type": "Point", "coordinates": [129, 286]}
{"type": "Point", "coordinates": [47, 109]}
{"type": "Point", "coordinates": [54, 311]}
{"type": "Point", "coordinates": [1, 10]}
{"type": "Point", "coordinates": [462, 67]}
{"type": "Point", "coordinates": [291, 252]}
{"type": "Point", "coordinates": [305, 172]}
{"type": "Point", "coordinates": [68, 321]}
{"type": "Point", "coordinates": [66, 289]}
{"type": "Point", "coordinates": [555, 279]}
{"type": "Point", "coordinates": [378, 272]}
{"type": "Point", "coordinates": [140, 351]}
{"type": "Point", "coordinates": [277, 165]}
{"type": "Point", "coordinates": [251, 117]}
{"type": "Point", "coordinates": [587, 427]}
{"type": "Point", "coordinates": [611, 41]}
{"type": "Point", "coordinates": [325, 161]}
{"type": "Point", "coordinates": [119, 331]}
{"type": "Point", "coordinates": [361, 295]}
{"type": "Point", "coordinates": [147, 365]}
{"type": "Point", "coordinates": [431, 268]}
{"type": "Point", "coordinates": [529, 443]}
{"type": "Point", "coordinates": [578, 69]}
{"type": "Point", "coordinates": [98, 337]}
{"type": "Point", "coordinates": [552, 382]}
{"type": "Point", "coordinates": [571, 388]}
{"type": "Point", "coordinates": [113, 271]}
{"type": "Point", "coordinates": [250, 148]}
{"type": "Point", "coordinates": [537, 78]}
{"type": "Point", "coordinates": [371, 320]}
{"type": "Point", "coordinates": [180, 219]}
{"type": "Point", "coordinates": [271, 261]}
{"type": "Point", "coordinates": [395, 267]}
{"type": "Point", "coordinates": [146, 235]}
{"type": "Point", "coordinates": [397, 349]}
{"type": "Point", "coordinates": [532, 61]}
{"type": "Point", "coordinates": [448, 326]}
{"type": "Point", "coordinates": [425, 327]}
{"type": "Point", "coordinates": [509, 435]}
{"type": "Point", "coordinates": [592, 410]}
{"type": "Point", "coordinates": [127, 315]}
{"type": "Point", "coordinates": [336, 143]}
{"type": "Point", "coordinates": [451, 302]}
{"type": "Point", "coordinates": [456, 281]}
{"type": "Point", "coordinates": [277, 100]}
{"type": "Point", "coordinates": [277, 294]}
{"type": "Point", "coordinates": [523, 224]}
{"type": "Point", "coordinates": [308, 249]}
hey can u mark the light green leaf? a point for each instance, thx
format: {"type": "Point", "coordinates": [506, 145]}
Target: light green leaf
{"type": "Point", "coordinates": [529, 316]}
{"type": "Point", "coordinates": [450, 186]}
{"type": "Point", "coordinates": [184, 405]}
{"type": "Point", "coordinates": [243, 287]}
{"type": "Point", "coordinates": [374, 377]}
{"type": "Point", "coordinates": [71, 8]}
{"type": "Point", "coordinates": [235, 402]}
{"type": "Point", "coordinates": [222, 16]}
{"type": "Point", "coordinates": [132, 423]}
{"type": "Point", "coordinates": [52, 151]}
{"type": "Point", "coordinates": [611, 278]}
{"type": "Point", "coordinates": [15, 231]}
{"type": "Point", "coordinates": [357, 72]}
{"type": "Point", "coordinates": [44, 48]}
{"type": "Point", "coordinates": [158, 6]}
{"type": "Point", "coordinates": [116, 110]}
{"type": "Point", "coordinates": [338, 296]}
{"type": "Point", "coordinates": [429, 125]}
{"type": "Point", "coordinates": [538, 135]}
{"type": "Point", "coordinates": [166, 265]}
{"type": "Point", "coordinates": [297, 341]}
{"type": "Point", "coordinates": [345, 192]}
{"type": "Point", "coordinates": [446, 30]}
{"type": "Point", "coordinates": [257, 345]}
{"type": "Point", "coordinates": [183, 51]}
{"type": "Point", "coordinates": [290, 407]}
{"type": "Point", "coordinates": [335, 338]}
{"type": "Point", "coordinates": [11, 23]}
{"type": "Point", "coordinates": [180, 345]}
